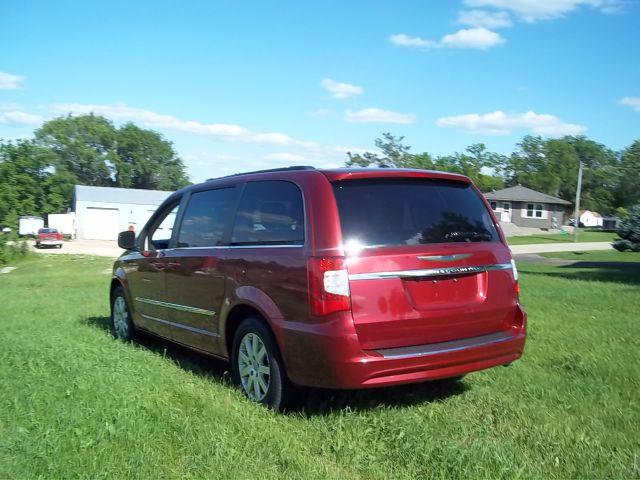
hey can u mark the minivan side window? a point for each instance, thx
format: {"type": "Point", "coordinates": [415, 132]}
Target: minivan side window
{"type": "Point", "coordinates": [205, 218]}
{"type": "Point", "coordinates": [270, 213]}
{"type": "Point", "coordinates": [159, 234]}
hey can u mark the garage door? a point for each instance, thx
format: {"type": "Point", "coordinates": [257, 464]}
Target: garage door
{"type": "Point", "coordinates": [101, 223]}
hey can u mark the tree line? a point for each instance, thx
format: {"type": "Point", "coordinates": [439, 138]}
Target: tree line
{"type": "Point", "coordinates": [37, 175]}
{"type": "Point", "coordinates": [610, 185]}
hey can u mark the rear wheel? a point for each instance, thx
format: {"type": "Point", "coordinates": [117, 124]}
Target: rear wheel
{"type": "Point", "coordinates": [121, 323]}
{"type": "Point", "coordinates": [257, 367]}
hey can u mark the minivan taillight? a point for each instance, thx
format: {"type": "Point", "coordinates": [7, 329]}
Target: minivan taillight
{"type": "Point", "coordinates": [328, 285]}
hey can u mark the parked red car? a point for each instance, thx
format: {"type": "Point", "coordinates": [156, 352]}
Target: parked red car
{"type": "Point", "coordinates": [49, 237]}
{"type": "Point", "coordinates": [346, 278]}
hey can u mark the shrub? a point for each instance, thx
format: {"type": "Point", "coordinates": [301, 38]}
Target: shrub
{"type": "Point", "coordinates": [10, 248]}
{"type": "Point", "coordinates": [629, 231]}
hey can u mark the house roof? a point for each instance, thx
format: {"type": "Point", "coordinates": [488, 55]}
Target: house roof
{"type": "Point", "coordinates": [129, 196]}
{"type": "Point", "coordinates": [594, 214]}
{"type": "Point", "coordinates": [524, 194]}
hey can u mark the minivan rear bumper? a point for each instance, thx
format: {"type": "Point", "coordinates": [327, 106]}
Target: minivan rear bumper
{"type": "Point", "coordinates": [339, 362]}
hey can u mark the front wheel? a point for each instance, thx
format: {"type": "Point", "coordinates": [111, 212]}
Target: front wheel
{"type": "Point", "coordinates": [121, 323]}
{"type": "Point", "coordinates": [257, 367]}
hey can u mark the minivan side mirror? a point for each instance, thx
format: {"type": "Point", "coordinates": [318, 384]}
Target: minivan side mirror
{"type": "Point", "coordinates": [127, 240]}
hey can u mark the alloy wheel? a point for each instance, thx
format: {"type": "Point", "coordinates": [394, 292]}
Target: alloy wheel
{"type": "Point", "coordinates": [254, 367]}
{"type": "Point", "coordinates": [121, 318]}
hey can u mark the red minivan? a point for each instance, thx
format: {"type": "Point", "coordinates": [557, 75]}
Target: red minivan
{"type": "Point", "coordinates": [345, 278]}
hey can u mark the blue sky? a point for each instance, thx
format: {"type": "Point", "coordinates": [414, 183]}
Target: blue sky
{"type": "Point", "coordinates": [247, 85]}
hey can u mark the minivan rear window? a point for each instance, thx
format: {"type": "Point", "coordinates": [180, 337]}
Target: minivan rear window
{"type": "Point", "coordinates": [393, 212]}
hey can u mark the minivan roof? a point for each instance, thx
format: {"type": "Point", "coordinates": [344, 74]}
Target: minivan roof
{"type": "Point", "coordinates": [337, 174]}
{"type": "Point", "coordinates": [332, 174]}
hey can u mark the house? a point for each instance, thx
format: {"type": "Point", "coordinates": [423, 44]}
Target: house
{"type": "Point", "coordinates": [590, 219]}
{"type": "Point", "coordinates": [103, 212]}
{"type": "Point", "coordinates": [525, 207]}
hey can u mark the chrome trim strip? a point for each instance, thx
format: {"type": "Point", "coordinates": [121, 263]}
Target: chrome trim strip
{"type": "Point", "coordinates": [176, 306]}
{"type": "Point", "coordinates": [219, 247]}
{"type": "Point", "coordinates": [265, 246]}
{"type": "Point", "coordinates": [444, 347]}
{"type": "Point", "coordinates": [180, 325]}
{"type": "Point", "coordinates": [440, 258]}
{"type": "Point", "coordinates": [430, 272]}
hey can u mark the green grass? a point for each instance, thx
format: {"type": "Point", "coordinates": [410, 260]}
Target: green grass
{"type": "Point", "coordinates": [596, 256]}
{"type": "Point", "coordinates": [583, 236]}
{"type": "Point", "coordinates": [74, 402]}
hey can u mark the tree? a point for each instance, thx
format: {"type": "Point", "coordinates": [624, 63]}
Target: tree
{"type": "Point", "coordinates": [627, 189]}
{"type": "Point", "coordinates": [547, 166]}
{"type": "Point", "coordinates": [29, 184]}
{"type": "Point", "coordinates": [551, 166]}
{"type": "Point", "coordinates": [479, 164]}
{"type": "Point", "coordinates": [89, 150]}
{"type": "Point", "coordinates": [601, 174]}
{"type": "Point", "coordinates": [84, 146]}
{"type": "Point", "coordinates": [394, 154]}
{"type": "Point", "coordinates": [629, 231]}
{"type": "Point", "coordinates": [38, 176]}
{"type": "Point", "coordinates": [146, 160]}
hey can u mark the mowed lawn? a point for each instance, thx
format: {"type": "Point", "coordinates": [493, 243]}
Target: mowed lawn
{"type": "Point", "coordinates": [583, 236]}
{"type": "Point", "coordinates": [74, 402]}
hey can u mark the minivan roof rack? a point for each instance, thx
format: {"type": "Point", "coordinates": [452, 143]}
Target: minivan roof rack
{"type": "Point", "coordinates": [281, 169]}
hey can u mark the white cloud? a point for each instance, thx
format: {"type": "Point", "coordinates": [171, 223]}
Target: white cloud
{"type": "Point", "coordinates": [484, 19]}
{"type": "Point", "coordinates": [377, 115]}
{"type": "Point", "coordinates": [17, 117]}
{"type": "Point", "coordinates": [633, 102]}
{"type": "Point", "coordinates": [501, 123]}
{"type": "Point", "coordinates": [148, 118]}
{"type": "Point", "coordinates": [341, 90]}
{"type": "Point", "coordinates": [285, 156]}
{"type": "Point", "coordinates": [479, 38]}
{"type": "Point", "coordinates": [534, 10]}
{"type": "Point", "coordinates": [403, 40]}
{"type": "Point", "coordinates": [9, 81]}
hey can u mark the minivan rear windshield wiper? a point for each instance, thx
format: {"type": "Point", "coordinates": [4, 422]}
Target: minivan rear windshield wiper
{"type": "Point", "coordinates": [467, 236]}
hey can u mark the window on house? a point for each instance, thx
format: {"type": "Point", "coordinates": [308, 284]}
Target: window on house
{"type": "Point", "coordinates": [494, 206]}
{"type": "Point", "coordinates": [534, 210]}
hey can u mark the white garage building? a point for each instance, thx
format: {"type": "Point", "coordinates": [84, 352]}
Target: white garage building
{"type": "Point", "coordinates": [103, 212]}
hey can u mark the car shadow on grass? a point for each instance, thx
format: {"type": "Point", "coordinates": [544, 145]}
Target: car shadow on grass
{"type": "Point", "coordinates": [617, 272]}
{"type": "Point", "coordinates": [311, 401]}
{"type": "Point", "coordinates": [192, 361]}
{"type": "Point", "coordinates": [318, 402]}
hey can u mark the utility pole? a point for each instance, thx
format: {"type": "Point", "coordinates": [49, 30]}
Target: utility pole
{"type": "Point", "coordinates": [576, 215]}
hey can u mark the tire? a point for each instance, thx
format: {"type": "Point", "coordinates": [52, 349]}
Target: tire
{"type": "Point", "coordinates": [260, 373]}
{"type": "Point", "coordinates": [121, 323]}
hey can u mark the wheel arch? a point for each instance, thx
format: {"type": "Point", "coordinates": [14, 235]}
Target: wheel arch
{"type": "Point", "coordinates": [234, 318]}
